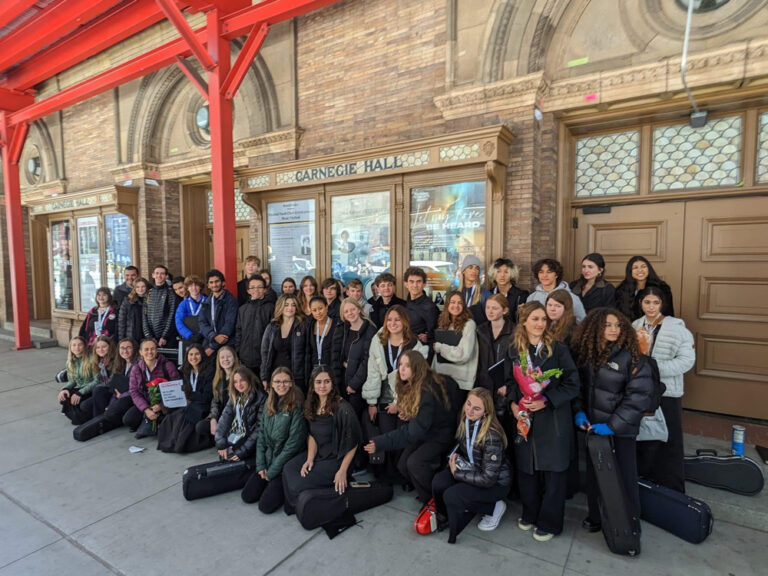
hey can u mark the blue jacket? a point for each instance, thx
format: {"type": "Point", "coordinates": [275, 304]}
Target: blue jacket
{"type": "Point", "coordinates": [184, 309]}
{"type": "Point", "coordinates": [225, 321]}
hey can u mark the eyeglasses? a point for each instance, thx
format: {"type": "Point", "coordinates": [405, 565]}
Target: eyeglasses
{"type": "Point", "coordinates": [281, 382]}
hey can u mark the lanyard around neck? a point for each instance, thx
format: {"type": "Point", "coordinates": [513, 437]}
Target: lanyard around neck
{"type": "Point", "coordinates": [471, 295]}
{"type": "Point", "coordinates": [471, 443]}
{"type": "Point", "coordinates": [193, 380]}
{"type": "Point", "coordinates": [393, 362]}
{"type": "Point", "coordinates": [319, 340]}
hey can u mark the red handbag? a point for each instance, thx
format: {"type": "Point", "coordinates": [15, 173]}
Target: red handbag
{"type": "Point", "coordinates": [426, 521]}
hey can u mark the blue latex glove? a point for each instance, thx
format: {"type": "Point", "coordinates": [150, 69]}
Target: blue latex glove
{"type": "Point", "coordinates": [602, 430]}
{"type": "Point", "coordinates": [581, 420]}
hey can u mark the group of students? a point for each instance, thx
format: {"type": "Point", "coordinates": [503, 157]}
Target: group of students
{"type": "Point", "coordinates": [306, 385]}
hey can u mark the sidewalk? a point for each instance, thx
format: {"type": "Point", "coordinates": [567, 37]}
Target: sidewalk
{"type": "Point", "coordinates": [68, 508]}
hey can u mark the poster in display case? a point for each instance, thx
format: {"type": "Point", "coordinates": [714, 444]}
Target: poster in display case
{"type": "Point", "coordinates": [447, 224]}
{"type": "Point", "coordinates": [89, 257]}
{"type": "Point", "coordinates": [360, 237]}
{"type": "Point", "coordinates": [118, 247]}
{"type": "Point", "coordinates": [291, 240]}
{"type": "Point", "coordinates": [61, 264]}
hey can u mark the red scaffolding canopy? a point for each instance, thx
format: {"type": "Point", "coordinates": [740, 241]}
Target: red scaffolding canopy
{"type": "Point", "coordinates": [41, 38]}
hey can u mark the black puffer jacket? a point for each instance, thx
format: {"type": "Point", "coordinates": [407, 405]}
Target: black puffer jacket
{"type": "Point", "coordinates": [130, 320]}
{"type": "Point", "coordinates": [492, 468]}
{"type": "Point", "coordinates": [253, 317]}
{"type": "Point", "coordinates": [490, 351]}
{"type": "Point", "coordinates": [617, 394]}
{"type": "Point", "coordinates": [246, 446]}
{"type": "Point", "coordinates": [355, 373]}
{"type": "Point", "coordinates": [160, 313]}
{"type": "Point", "coordinates": [548, 448]}
{"type": "Point", "coordinates": [298, 339]}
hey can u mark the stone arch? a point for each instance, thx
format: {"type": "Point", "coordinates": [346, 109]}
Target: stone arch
{"type": "Point", "coordinates": [39, 141]}
{"type": "Point", "coordinates": [496, 41]}
{"type": "Point", "coordinates": [166, 96]}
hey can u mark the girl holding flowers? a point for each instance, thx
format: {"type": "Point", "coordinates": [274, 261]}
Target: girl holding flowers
{"type": "Point", "coordinates": [541, 383]}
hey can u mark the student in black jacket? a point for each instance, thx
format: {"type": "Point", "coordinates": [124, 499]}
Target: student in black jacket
{"type": "Point", "coordinates": [218, 314]}
{"type": "Point", "coordinates": [591, 287]}
{"type": "Point", "coordinates": [332, 294]}
{"type": "Point", "coordinates": [493, 339]}
{"type": "Point", "coordinates": [238, 427]}
{"type": "Point", "coordinates": [478, 475]}
{"type": "Point", "coordinates": [130, 275]}
{"type": "Point", "coordinates": [130, 318]}
{"type": "Point", "coordinates": [502, 279]}
{"type": "Point", "coordinates": [349, 358]}
{"type": "Point", "coordinates": [638, 274]}
{"type": "Point", "coordinates": [422, 312]}
{"type": "Point", "coordinates": [177, 431]}
{"type": "Point", "coordinates": [543, 459]}
{"type": "Point", "coordinates": [159, 320]}
{"type": "Point", "coordinates": [253, 317]}
{"type": "Point", "coordinates": [334, 437]}
{"type": "Point", "coordinates": [385, 284]}
{"type": "Point", "coordinates": [284, 342]}
{"type": "Point", "coordinates": [101, 319]}
{"type": "Point", "coordinates": [429, 407]}
{"type": "Point", "coordinates": [616, 387]}
{"type": "Point", "coordinates": [250, 267]}
{"type": "Point", "coordinates": [321, 328]}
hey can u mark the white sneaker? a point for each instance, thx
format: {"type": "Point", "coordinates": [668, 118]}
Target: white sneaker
{"type": "Point", "coordinates": [488, 523]}
{"type": "Point", "coordinates": [523, 525]}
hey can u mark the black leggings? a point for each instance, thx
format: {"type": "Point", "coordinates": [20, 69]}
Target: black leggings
{"type": "Point", "coordinates": [133, 417]}
{"type": "Point", "coordinates": [459, 501]}
{"type": "Point", "coordinates": [269, 495]}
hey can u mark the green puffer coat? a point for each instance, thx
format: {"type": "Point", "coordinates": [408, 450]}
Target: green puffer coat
{"type": "Point", "coordinates": [281, 437]}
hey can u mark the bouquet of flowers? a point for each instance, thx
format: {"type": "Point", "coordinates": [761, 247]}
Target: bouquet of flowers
{"type": "Point", "coordinates": [532, 381]}
{"type": "Point", "coordinates": [155, 397]}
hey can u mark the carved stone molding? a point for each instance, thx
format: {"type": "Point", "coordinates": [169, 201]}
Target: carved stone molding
{"type": "Point", "coordinates": [490, 97]}
{"type": "Point", "coordinates": [273, 142]}
{"type": "Point", "coordinates": [733, 64]}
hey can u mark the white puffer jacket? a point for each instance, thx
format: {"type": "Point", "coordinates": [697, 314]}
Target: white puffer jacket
{"type": "Point", "coordinates": [673, 351]}
{"type": "Point", "coordinates": [377, 371]}
{"type": "Point", "coordinates": [462, 359]}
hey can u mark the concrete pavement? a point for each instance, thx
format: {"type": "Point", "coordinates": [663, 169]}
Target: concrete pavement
{"type": "Point", "coordinates": [93, 508]}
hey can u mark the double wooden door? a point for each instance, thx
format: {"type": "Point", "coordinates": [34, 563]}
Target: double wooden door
{"type": "Point", "coordinates": [714, 255]}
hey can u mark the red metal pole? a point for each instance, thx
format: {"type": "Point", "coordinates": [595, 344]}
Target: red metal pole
{"type": "Point", "coordinates": [222, 162]}
{"type": "Point", "coordinates": [15, 227]}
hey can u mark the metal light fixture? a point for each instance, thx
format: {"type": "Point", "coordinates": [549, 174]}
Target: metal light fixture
{"type": "Point", "coordinates": [698, 118]}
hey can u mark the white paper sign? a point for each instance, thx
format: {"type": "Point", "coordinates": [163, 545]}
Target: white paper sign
{"type": "Point", "coordinates": [173, 395]}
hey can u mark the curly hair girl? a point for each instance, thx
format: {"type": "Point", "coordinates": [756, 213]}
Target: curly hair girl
{"type": "Point", "coordinates": [590, 344]}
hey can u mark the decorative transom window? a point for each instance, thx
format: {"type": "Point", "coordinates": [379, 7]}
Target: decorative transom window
{"type": "Point", "coordinates": [762, 149]}
{"type": "Point", "coordinates": [685, 157]}
{"type": "Point", "coordinates": [242, 210]}
{"type": "Point", "coordinates": [607, 165]}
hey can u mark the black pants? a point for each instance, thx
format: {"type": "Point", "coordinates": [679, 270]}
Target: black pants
{"type": "Point", "coordinates": [321, 476]}
{"type": "Point", "coordinates": [459, 501]}
{"type": "Point", "coordinates": [543, 498]}
{"type": "Point", "coordinates": [133, 417]}
{"type": "Point", "coordinates": [101, 395]}
{"type": "Point", "coordinates": [387, 423]}
{"type": "Point", "coordinates": [662, 462]}
{"type": "Point", "coordinates": [80, 413]}
{"type": "Point", "coordinates": [419, 462]}
{"type": "Point", "coordinates": [117, 409]}
{"type": "Point", "coordinates": [626, 459]}
{"type": "Point", "coordinates": [269, 495]}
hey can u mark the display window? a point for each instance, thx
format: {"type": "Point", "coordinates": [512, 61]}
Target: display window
{"type": "Point", "coordinates": [61, 263]}
{"type": "Point", "coordinates": [291, 250]}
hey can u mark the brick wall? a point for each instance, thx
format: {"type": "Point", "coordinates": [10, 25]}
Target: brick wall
{"type": "Point", "coordinates": [89, 142]}
{"type": "Point", "coordinates": [159, 225]}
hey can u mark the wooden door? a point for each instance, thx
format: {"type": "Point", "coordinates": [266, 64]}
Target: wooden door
{"type": "Point", "coordinates": [242, 242]}
{"type": "Point", "coordinates": [651, 230]}
{"type": "Point", "coordinates": [725, 305]}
